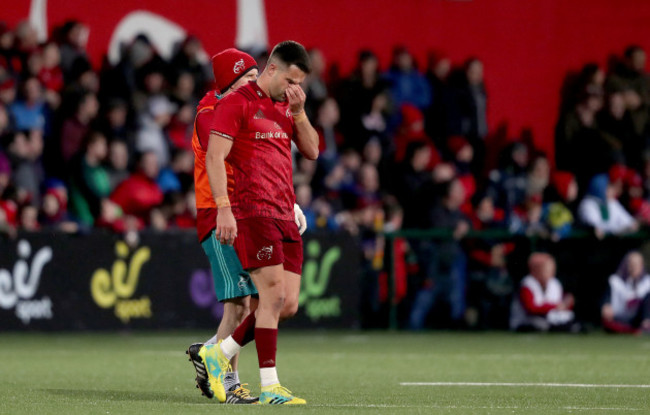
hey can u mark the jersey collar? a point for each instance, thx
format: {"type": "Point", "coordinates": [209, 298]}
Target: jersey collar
{"type": "Point", "coordinates": [258, 91]}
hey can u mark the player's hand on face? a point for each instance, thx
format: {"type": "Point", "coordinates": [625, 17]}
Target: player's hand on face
{"type": "Point", "coordinates": [226, 231]}
{"type": "Point", "coordinates": [296, 98]}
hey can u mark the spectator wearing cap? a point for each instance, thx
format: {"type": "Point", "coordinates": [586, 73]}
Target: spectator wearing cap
{"type": "Point", "coordinates": [601, 210]}
{"type": "Point", "coordinates": [541, 304]}
{"type": "Point", "coordinates": [626, 306]}
{"type": "Point", "coordinates": [54, 209]}
{"type": "Point", "coordinates": [412, 129]}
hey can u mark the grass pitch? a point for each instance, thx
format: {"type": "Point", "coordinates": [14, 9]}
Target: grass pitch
{"type": "Point", "coordinates": [340, 373]}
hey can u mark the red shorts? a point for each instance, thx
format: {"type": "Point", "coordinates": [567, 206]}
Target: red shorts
{"type": "Point", "coordinates": [262, 242]}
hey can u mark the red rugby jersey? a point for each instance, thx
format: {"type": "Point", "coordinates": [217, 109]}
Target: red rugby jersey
{"type": "Point", "coordinates": [261, 131]}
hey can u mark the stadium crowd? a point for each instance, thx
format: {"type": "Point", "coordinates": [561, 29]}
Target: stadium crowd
{"type": "Point", "coordinates": [402, 147]}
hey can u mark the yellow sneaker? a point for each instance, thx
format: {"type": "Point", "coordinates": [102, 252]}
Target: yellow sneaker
{"type": "Point", "coordinates": [218, 365]}
{"type": "Point", "coordinates": [278, 395]}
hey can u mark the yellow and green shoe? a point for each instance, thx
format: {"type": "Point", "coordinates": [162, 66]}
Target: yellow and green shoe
{"type": "Point", "coordinates": [278, 395]}
{"type": "Point", "coordinates": [218, 365]}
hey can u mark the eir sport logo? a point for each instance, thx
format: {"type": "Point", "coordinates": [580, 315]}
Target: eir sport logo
{"type": "Point", "coordinates": [18, 286]}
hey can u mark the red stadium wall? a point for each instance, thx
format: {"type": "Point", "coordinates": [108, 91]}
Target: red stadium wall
{"type": "Point", "coordinates": [527, 46]}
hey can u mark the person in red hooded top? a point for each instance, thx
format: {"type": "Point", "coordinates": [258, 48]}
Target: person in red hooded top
{"type": "Point", "coordinates": [412, 130]}
{"type": "Point", "coordinates": [139, 193]}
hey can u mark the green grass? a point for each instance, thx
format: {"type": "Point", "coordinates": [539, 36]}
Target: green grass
{"type": "Point", "coordinates": [341, 373]}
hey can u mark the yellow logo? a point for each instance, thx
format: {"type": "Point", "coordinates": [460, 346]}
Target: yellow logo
{"type": "Point", "coordinates": [116, 288]}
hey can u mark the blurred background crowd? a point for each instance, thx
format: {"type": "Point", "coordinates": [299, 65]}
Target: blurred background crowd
{"type": "Point", "coordinates": [401, 147]}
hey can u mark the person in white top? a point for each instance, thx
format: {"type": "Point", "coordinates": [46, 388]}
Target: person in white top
{"type": "Point", "coordinates": [542, 304]}
{"type": "Point", "coordinates": [601, 209]}
{"type": "Point", "coordinates": [626, 308]}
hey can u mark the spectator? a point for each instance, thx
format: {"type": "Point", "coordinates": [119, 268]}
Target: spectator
{"type": "Point", "coordinates": [178, 176]}
{"type": "Point", "coordinates": [443, 263]}
{"type": "Point", "coordinates": [114, 122]}
{"type": "Point", "coordinates": [358, 92]}
{"type": "Point", "coordinates": [439, 111]}
{"type": "Point", "coordinates": [617, 126]}
{"type": "Point", "coordinates": [601, 210]}
{"type": "Point", "coordinates": [152, 134]}
{"type": "Point", "coordinates": [507, 184]}
{"type": "Point", "coordinates": [374, 125]}
{"type": "Point", "coordinates": [25, 151]}
{"type": "Point", "coordinates": [30, 112]}
{"type": "Point", "coordinates": [118, 163]}
{"type": "Point", "coordinates": [76, 127]}
{"type": "Point", "coordinates": [73, 39]}
{"type": "Point", "coordinates": [410, 179]}
{"type": "Point", "coordinates": [412, 129]}
{"type": "Point", "coordinates": [490, 286]}
{"type": "Point", "coordinates": [139, 194]}
{"type": "Point", "coordinates": [190, 59]}
{"type": "Point", "coordinates": [626, 308]}
{"type": "Point", "coordinates": [559, 203]}
{"type": "Point", "coordinates": [89, 182]}
{"type": "Point", "coordinates": [315, 85]}
{"type": "Point", "coordinates": [472, 101]}
{"type": "Point", "coordinates": [630, 74]}
{"type": "Point", "coordinates": [541, 304]}
{"type": "Point", "coordinates": [327, 118]}
{"type": "Point", "coordinates": [407, 84]}
{"type": "Point", "coordinates": [7, 91]}
{"type": "Point", "coordinates": [5, 122]}
{"type": "Point", "coordinates": [576, 131]}
{"type": "Point", "coordinates": [539, 176]}
{"type": "Point", "coordinates": [54, 210]}
{"type": "Point", "coordinates": [9, 58]}
{"type": "Point", "coordinates": [50, 75]}
{"type": "Point", "coordinates": [462, 156]}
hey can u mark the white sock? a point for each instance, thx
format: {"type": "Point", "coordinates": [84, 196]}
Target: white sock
{"type": "Point", "coordinates": [213, 340]}
{"type": "Point", "coordinates": [269, 376]}
{"type": "Point", "coordinates": [229, 347]}
{"type": "Point", "coordinates": [230, 379]}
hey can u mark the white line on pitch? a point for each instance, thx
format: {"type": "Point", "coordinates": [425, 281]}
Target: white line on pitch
{"type": "Point", "coordinates": [543, 385]}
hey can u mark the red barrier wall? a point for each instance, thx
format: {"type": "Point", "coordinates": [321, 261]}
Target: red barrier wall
{"type": "Point", "coordinates": [527, 46]}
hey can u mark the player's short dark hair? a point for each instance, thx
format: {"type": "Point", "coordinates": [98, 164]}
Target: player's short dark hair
{"type": "Point", "coordinates": [292, 53]}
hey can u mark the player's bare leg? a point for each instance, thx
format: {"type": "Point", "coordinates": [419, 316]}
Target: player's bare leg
{"type": "Point", "coordinates": [292, 295]}
{"type": "Point", "coordinates": [234, 312]}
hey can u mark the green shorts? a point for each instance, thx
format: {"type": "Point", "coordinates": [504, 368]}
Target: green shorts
{"type": "Point", "coordinates": [230, 279]}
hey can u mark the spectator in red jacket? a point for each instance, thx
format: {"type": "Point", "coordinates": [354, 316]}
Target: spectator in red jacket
{"type": "Point", "coordinates": [541, 304]}
{"type": "Point", "coordinates": [139, 194]}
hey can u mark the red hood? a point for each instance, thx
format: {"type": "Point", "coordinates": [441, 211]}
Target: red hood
{"type": "Point", "coordinates": [209, 100]}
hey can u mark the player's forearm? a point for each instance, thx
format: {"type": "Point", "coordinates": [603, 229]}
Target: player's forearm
{"type": "Point", "coordinates": [306, 138]}
{"type": "Point", "coordinates": [216, 169]}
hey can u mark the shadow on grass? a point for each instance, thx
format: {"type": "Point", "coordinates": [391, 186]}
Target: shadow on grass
{"type": "Point", "coordinates": [117, 395]}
